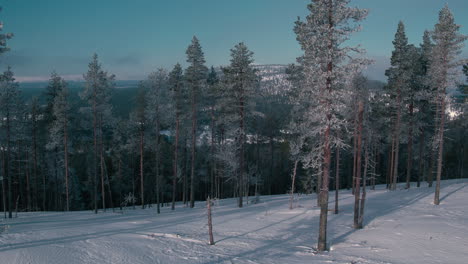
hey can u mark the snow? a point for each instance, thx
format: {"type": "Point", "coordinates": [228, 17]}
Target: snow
{"type": "Point", "coordinates": [400, 227]}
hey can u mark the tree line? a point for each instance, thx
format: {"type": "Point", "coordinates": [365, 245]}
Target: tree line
{"type": "Point", "coordinates": [217, 132]}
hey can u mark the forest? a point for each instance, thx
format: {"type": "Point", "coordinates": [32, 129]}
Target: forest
{"type": "Point", "coordinates": [184, 134]}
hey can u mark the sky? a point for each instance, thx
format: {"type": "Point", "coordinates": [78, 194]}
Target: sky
{"type": "Point", "coordinates": [135, 37]}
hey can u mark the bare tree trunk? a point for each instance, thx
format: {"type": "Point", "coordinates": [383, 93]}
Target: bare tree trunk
{"type": "Point", "coordinates": [272, 163]}
{"type": "Point", "coordinates": [28, 183]}
{"type": "Point", "coordinates": [194, 143]}
{"type": "Point", "coordinates": [364, 184]}
{"type": "Point", "coordinates": [421, 159]}
{"type": "Point", "coordinates": [388, 178]}
{"type": "Point", "coordinates": [210, 223]}
{"type": "Point", "coordinates": [358, 167]}
{"type": "Point", "coordinates": [355, 135]}
{"type": "Point", "coordinates": [397, 141]}
{"type": "Point", "coordinates": [322, 239]}
{"type": "Point", "coordinates": [410, 148]}
{"type": "Point", "coordinates": [184, 183]}
{"type": "Point", "coordinates": [120, 181]}
{"type": "Point", "coordinates": [142, 180]}
{"type": "Point", "coordinates": [8, 172]}
{"type": "Point", "coordinates": [95, 154]}
{"type": "Point", "coordinates": [176, 152]}
{"type": "Point", "coordinates": [337, 178]}
{"type": "Point", "coordinates": [241, 151]}
{"type": "Point", "coordinates": [101, 147]}
{"type": "Point", "coordinates": [34, 141]}
{"type": "Point", "coordinates": [4, 197]}
{"type": "Point", "coordinates": [158, 177]}
{"type": "Point", "coordinates": [291, 197]}
{"type": "Point", "coordinates": [65, 146]}
{"type": "Point", "coordinates": [440, 148]}
{"type": "Point", "coordinates": [212, 158]}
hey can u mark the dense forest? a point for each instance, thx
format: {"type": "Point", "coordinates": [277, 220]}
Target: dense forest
{"type": "Point", "coordinates": [187, 133]}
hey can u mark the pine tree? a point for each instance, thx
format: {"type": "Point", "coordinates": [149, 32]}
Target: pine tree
{"type": "Point", "coordinates": [424, 115]}
{"type": "Point", "coordinates": [176, 85]}
{"type": "Point", "coordinates": [447, 46]}
{"type": "Point", "coordinates": [240, 80]}
{"type": "Point", "coordinates": [212, 100]}
{"type": "Point", "coordinates": [138, 124]}
{"type": "Point", "coordinates": [398, 81]}
{"type": "Point", "coordinates": [195, 76]}
{"type": "Point", "coordinates": [59, 132]}
{"type": "Point", "coordinates": [155, 106]}
{"type": "Point", "coordinates": [9, 102]}
{"type": "Point", "coordinates": [97, 94]}
{"type": "Point", "coordinates": [326, 63]}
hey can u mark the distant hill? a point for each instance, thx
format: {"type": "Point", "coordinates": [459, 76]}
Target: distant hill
{"type": "Point", "coordinates": [273, 83]}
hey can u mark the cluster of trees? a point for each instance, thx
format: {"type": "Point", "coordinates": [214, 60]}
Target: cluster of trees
{"type": "Point", "coordinates": [336, 109]}
{"type": "Point", "coordinates": [199, 131]}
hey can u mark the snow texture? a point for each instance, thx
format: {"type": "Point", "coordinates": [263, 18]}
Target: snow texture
{"type": "Point", "coordinates": [400, 227]}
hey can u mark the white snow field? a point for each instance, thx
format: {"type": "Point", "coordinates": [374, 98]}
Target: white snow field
{"type": "Point", "coordinates": [400, 227]}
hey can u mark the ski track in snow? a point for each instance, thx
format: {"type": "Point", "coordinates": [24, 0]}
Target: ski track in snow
{"type": "Point", "coordinates": [400, 227]}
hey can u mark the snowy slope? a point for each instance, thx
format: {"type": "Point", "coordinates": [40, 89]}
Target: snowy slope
{"type": "Point", "coordinates": [400, 227]}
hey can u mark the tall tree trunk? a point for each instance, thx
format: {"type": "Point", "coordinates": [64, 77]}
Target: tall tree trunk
{"type": "Point", "coordinates": [421, 159]}
{"type": "Point", "coordinates": [158, 176]}
{"type": "Point", "coordinates": [355, 136]}
{"type": "Point", "coordinates": [390, 164]}
{"type": "Point", "coordinates": [337, 178]}
{"type": "Point", "coordinates": [4, 195]}
{"type": "Point", "coordinates": [212, 158]}
{"type": "Point", "coordinates": [241, 151]}
{"type": "Point", "coordinates": [272, 164]}
{"type": "Point", "coordinates": [358, 166]}
{"type": "Point", "coordinates": [176, 152]}
{"type": "Point", "coordinates": [95, 153]}
{"type": "Point", "coordinates": [322, 239]}
{"type": "Point", "coordinates": [397, 141]}
{"type": "Point", "coordinates": [101, 155]}
{"type": "Point", "coordinates": [142, 180]}
{"type": "Point", "coordinates": [410, 148]}
{"type": "Point", "coordinates": [65, 146]}
{"type": "Point", "coordinates": [194, 143]}
{"type": "Point", "coordinates": [364, 184]}
{"type": "Point", "coordinates": [210, 223]}
{"type": "Point", "coordinates": [440, 148]}
{"type": "Point", "coordinates": [291, 197]}
{"type": "Point", "coordinates": [185, 173]}
{"type": "Point", "coordinates": [34, 141]}
{"type": "Point", "coordinates": [8, 172]}
{"type": "Point", "coordinates": [28, 184]}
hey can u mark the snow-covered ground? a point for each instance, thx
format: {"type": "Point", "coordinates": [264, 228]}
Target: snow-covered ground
{"type": "Point", "coordinates": [400, 227]}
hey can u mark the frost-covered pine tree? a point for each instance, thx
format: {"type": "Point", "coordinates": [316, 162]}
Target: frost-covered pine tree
{"type": "Point", "coordinates": [155, 108]}
{"type": "Point", "coordinates": [9, 112]}
{"type": "Point", "coordinates": [399, 75]}
{"type": "Point", "coordinates": [176, 86]}
{"type": "Point", "coordinates": [448, 43]}
{"type": "Point", "coordinates": [138, 125]}
{"type": "Point", "coordinates": [97, 93]}
{"type": "Point", "coordinates": [424, 117]}
{"type": "Point", "coordinates": [212, 99]}
{"type": "Point", "coordinates": [240, 80]}
{"type": "Point", "coordinates": [195, 76]}
{"type": "Point", "coordinates": [59, 132]}
{"type": "Point", "coordinates": [327, 63]}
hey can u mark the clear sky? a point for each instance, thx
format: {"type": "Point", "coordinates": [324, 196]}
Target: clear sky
{"type": "Point", "coordinates": [134, 37]}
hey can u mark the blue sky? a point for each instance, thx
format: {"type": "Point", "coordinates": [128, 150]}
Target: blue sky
{"type": "Point", "coordinates": [134, 37]}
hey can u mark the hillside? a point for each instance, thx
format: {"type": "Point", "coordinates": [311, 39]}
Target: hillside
{"type": "Point", "coordinates": [402, 227]}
